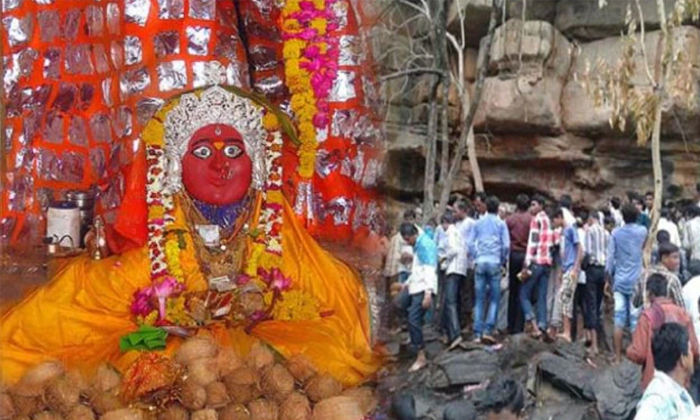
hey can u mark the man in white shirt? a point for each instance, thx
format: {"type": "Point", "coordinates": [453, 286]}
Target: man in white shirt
{"type": "Point", "coordinates": [691, 296]}
{"type": "Point", "coordinates": [615, 204]}
{"type": "Point", "coordinates": [463, 263]}
{"type": "Point", "coordinates": [666, 224]}
{"type": "Point", "coordinates": [692, 233]}
{"type": "Point", "coordinates": [666, 397]}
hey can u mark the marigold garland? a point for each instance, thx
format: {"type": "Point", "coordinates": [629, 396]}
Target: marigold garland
{"type": "Point", "coordinates": [311, 63]}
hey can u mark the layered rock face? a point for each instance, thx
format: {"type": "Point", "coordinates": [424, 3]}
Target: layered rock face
{"type": "Point", "coordinates": [537, 127]}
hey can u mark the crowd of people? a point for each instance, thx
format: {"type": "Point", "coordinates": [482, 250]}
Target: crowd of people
{"type": "Point", "coordinates": [487, 270]}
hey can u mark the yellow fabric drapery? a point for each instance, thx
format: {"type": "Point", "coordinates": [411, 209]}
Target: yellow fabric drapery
{"type": "Point", "coordinates": [79, 316]}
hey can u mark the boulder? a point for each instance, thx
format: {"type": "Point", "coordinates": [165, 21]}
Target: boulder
{"type": "Point", "coordinates": [617, 391]}
{"type": "Point", "coordinates": [475, 19]}
{"type": "Point", "coordinates": [585, 20]}
{"type": "Point", "coordinates": [579, 111]}
{"type": "Point", "coordinates": [565, 412]}
{"type": "Point", "coordinates": [534, 10]}
{"type": "Point", "coordinates": [568, 375]}
{"type": "Point", "coordinates": [455, 369]}
{"type": "Point", "coordinates": [459, 410]}
{"type": "Point", "coordinates": [404, 160]}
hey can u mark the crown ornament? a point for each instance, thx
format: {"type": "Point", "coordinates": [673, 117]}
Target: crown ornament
{"type": "Point", "coordinates": [214, 105]}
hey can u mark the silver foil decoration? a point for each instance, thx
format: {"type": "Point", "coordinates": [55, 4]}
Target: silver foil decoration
{"type": "Point", "coordinates": [321, 134]}
{"type": "Point", "coordinates": [343, 122]}
{"type": "Point", "coordinates": [340, 12]}
{"type": "Point", "coordinates": [134, 81]}
{"type": "Point", "coordinates": [346, 167]}
{"type": "Point", "coordinates": [117, 52]}
{"type": "Point", "coordinates": [198, 40]}
{"type": "Point", "coordinates": [271, 87]}
{"type": "Point", "coordinates": [100, 128]}
{"type": "Point", "coordinates": [101, 60]}
{"type": "Point", "coordinates": [87, 93]}
{"type": "Point", "coordinates": [172, 75]}
{"type": "Point", "coordinates": [265, 7]}
{"type": "Point", "coordinates": [77, 132]}
{"type": "Point", "coordinates": [53, 128]}
{"type": "Point", "coordinates": [71, 24]}
{"type": "Point", "coordinates": [123, 121]}
{"type": "Point", "coordinates": [327, 162]}
{"type": "Point", "coordinates": [202, 9]}
{"type": "Point", "coordinates": [18, 29]}
{"type": "Point", "coordinates": [146, 108]}
{"type": "Point", "coordinates": [23, 63]}
{"type": "Point", "coordinates": [343, 87]}
{"type": "Point", "coordinates": [78, 59]}
{"type": "Point", "coordinates": [303, 205]}
{"type": "Point", "coordinates": [233, 75]}
{"type": "Point", "coordinates": [95, 20]}
{"type": "Point", "coordinates": [372, 170]}
{"type": "Point", "coordinates": [107, 91]}
{"type": "Point", "coordinates": [20, 192]}
{"type": "Point", "coordinates": [113, 18]}
{"type": "Point", "coordinates": [8, 5]}
{"type": "Point", "coordinates": [226, 45]}
{"type": "Point", "coordinates": [31, 124]}
{"type": "Point", "coordinates": [171, 9]}
{"type": "Point", "coordinates": [37, 98]}
{"type": "Point", "coordinates": [98, 162]}
{"type": "Point", "coordinates": [350, 50]}
{"type": "Point", "coordinates": [340, 208]}
{"type": "Point", "coordinates": [263, 57]}
{"type": "Point", "coordinates": [358, 165]}
{"type": "Point", "coordinates": [358, 218]}
{"type": "Point", "coordinates": [49, 25]}
{"type": "Point", "coordinates": [207, 73]}
{"type": "Point", "coordinates": [44, 2]}
{"type": "Point", "coordinates": [166, 43]}
{"type": "Point", "coordinates": [73, 167]}
{"type": "Point", "coordinates": [133, 50]}
{"type": "Point", "coordinates": [136, 11]}
{"type": "Point", "coordinates": [24, 157]}
{"type": "Point", "coordinates": [66, 97]}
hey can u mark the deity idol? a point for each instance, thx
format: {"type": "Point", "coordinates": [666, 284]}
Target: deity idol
{"type": "Point", "coordinates": [225, 258]}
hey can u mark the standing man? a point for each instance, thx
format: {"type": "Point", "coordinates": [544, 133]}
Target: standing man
{"type": "Point", "coordinates": [480, 204]}
{"type": "Point", "coordinates": [519, 231]}
{"type": "Point", "coordinates": [615, 204]}
{"type": "Point", "coordinates": [489, 243]}
{"type": "Point", "coordinates": [537, 266]}
{"type": "Point", "coordinates": [571, 267]}
{"type": "Point", "coordinates": [642, 216]}
{"type": "Point", "coordinates": [668, 266]}
{"type": "Point", "coordinates": [456, 275]}
{"type": "Point", "coordinates": [624, 266]}
{"type": "Point", "coordinates": [692, 233]}
{"type": "Point", "coordinates": [417, 293]}
{"type": "Point", "coordinates": [595, 255]}
{"type": "Point", "coordinates": [464, 224]}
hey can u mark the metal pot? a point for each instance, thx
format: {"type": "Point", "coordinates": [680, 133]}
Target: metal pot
{"type": "Point", "coordinates": [85, 201]}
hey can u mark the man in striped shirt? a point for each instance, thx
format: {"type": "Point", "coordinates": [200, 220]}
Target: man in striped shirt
{"type": "Point", "coordinates": [595, 248]}
{"type": "Point", "coordinates": [538, 263]}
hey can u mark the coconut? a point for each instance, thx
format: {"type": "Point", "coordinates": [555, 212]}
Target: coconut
{"type": "Point", "coordinates": [364, 396]}
{"type": "Point", "coordinates": [106, 379]}
{"type": "Point", "coordinates": [105, 402]}
{"type": "Point", "coordinates": [295, 407]}
{"type": "Point", "coordinates": [260, 356]}
{"type": "Point", "coordinates": [321, 387]}
{"type": "Point", "coordinates": [337, 408]}
{"type": "Point", "coordinates": [234, 412]}
{"type": "Point", "coordinates": [27, 406]}
{"type": "Point", "coordinates": [208, 414]}
{"type": "Point", "coordinates": [203, 371]}
{"type": "Point", "coordinates": [193, 396]}
{"type": "Point", "coordinates": [242, 385]}
{"type": "Point", "coordinates": [79, 381]}
{"type": "Point", "coordinates": [227, 361]}
{"type": "Point", "coordinates": [62, 395]}
{"type": "Point", "coordinates": [263, 410]}
{"type": "Point", "coordinates": [124, 414]}
{"type": "Point", "coordinates": [301, 368]}
{"type": "Point", "coordinates": [217, 395]}
{"type": "Point", "coordinates": [7, 408]}
{"type": "Point", "coordinates": [35, 381]}
{"type": "Point", "coordinates": [277, 382]}
{"type": "Point", "coordinates": [174, 412]}
{"type": "Point", "coordinates": [47, 415]}
{"type": "Point", "coordinates": [81, 412]}
{"type": "Point", "coordinates": [195, 348]}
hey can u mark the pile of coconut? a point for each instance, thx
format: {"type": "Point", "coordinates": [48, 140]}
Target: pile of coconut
{"type": "Point", "coordinates": [211, 384]}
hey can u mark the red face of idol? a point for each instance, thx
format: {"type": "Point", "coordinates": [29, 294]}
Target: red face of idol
{"type": "Point", "coordinates": [216, 169]}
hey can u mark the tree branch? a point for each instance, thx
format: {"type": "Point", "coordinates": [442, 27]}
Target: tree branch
{"type": "Point", "coordinates": [643, 44]}
{"type": "Point", "coordinates": [402, 73]}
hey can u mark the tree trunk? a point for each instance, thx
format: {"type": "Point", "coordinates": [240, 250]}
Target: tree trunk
{"type": "Point", "coordinates": [445, 131]}
{"type": "Point", "coordinates": [430, 156]}
{"type": "Point", "coordinates": [468, 122]}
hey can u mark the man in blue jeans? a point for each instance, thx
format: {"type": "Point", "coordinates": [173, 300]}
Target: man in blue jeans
{"type": "Point", "coordinates": [538, 263]}
{"type": "Point", "coordinates": [416, 296]}
{"type": "Point", "coordinates": [489, 243]}
{"type": "Point", "coordinates": [624, 266]}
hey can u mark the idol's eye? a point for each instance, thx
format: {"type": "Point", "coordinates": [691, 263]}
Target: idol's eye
{"type": "Point", "coordinates": [232, 151]}
{"type": "Point", "coordinates": [202, 152]}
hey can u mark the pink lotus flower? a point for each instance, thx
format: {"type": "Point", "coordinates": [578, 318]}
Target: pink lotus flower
{"type": "Point", "coordinates": [141, 305]}
{"type": "Point", "coordinates": [163, 290]}
{"type": "Point", "coordinates": [307, 34]}
{"type": "Point", "coordinates": [312, 52]}
{"type": "Point", "coordinates": [275, 279]}
{"type": "Point", "coordinates": [242, 279]}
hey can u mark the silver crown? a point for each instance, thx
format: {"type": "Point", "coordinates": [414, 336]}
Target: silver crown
{"type": "Point", "coordinates": [215, 105]}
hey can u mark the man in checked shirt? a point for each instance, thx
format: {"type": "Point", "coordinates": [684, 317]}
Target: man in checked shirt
{"type": "Point", "coordinates": [538, 263]}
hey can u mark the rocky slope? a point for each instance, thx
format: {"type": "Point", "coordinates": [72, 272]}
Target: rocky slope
{"type": "Point", "coordinates": [537, 127]}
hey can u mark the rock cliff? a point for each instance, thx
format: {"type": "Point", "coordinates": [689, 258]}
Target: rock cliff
{"type": "Point", "coordinates": [537, 129]}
